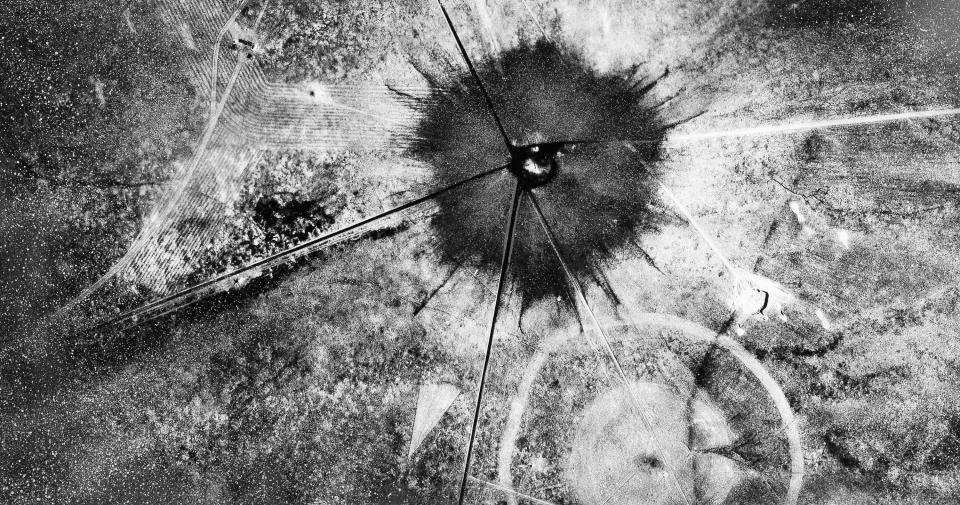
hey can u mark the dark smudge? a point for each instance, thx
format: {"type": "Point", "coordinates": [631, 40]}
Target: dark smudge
{"type": "Point", "coordinates": [543, 92]}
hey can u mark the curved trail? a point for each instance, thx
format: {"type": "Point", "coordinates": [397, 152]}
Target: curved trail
{"type": "Point", "coordinates": [511, 430]}
{"type": "Point", "coordinates": [688, 329]}
{"type": "Point", "coordinates": [248, 116]}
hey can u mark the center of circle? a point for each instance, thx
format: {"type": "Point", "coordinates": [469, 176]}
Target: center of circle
{"type": "Point", "coordinates": [561, 119]}
{"type": "Point", "coordinates": [535, 165]}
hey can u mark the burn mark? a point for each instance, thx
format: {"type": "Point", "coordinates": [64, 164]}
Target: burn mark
{"type": "Point", "coordinates": [597, 196]}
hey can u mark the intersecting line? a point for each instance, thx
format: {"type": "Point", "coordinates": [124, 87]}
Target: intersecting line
{"type": "Point", "coordinates": [476, 76]}
{"type": "Point", "coordinates": [789, 428]}
{"type": "Point", "coordinates": [536, 20]}
{"type": "Point", "coordinates": [779, 129]}
{"type": "Point", "coordinates": [168, 206]}
{"type": "Point", "coordinates": [216, 54]}
{"type": "Point", "coordinates": [510, 491]}
{"type": "Point", "coordinates": [501, 284]}
{"type": "Point", "coordinates": [766, 130]}
{"type": "Point", "coordinates": [651, 140]}
{"type": "Point", "coordinates": [734, 272]}
{"type": "Point", "coordinates": [582, 299]}
{"type": "Point", "coordinates": [288, 252]}
{"type": "Point", "coordinates": [747, 359]}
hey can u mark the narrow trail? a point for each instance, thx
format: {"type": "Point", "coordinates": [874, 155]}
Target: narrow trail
{"type": "Point", "coordinates": [248, 115]}
{"type": "Point", "coordinates": [695, 333]}
{"type": "Point", "coordinates": [511, 429]}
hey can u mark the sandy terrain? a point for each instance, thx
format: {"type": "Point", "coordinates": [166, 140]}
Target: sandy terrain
{"type": "Point", "coordinates": [779, 327]}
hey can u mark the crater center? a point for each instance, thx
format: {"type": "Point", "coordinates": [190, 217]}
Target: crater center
{"type": "Point", "coordinates": [535, 165]}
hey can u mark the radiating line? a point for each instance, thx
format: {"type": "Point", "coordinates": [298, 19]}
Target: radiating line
{"type": "Point", "coordinates": [501, 284]}
{"type": "Point", "coordinates": [299, 247]}
{"type": "Point", "coordinates": [334, 103]}
{"type": "Point", "coordinates": [513, 492]}
{"type": "Point", "coordinates": [536, 20]}
{"type": "Point", "coordinates": [790, 425]}
{"type": "Point", "coordinates": [770, 130]}
{"type": "Point", "coordinates": [703, 234]}
{"type": "Point", "coordinates": [210, 24]}
{"type": "Point", "coordinates": [476, 76]}
{"type": "Point", "coordinates": [486, 23]}
{"type": "Point", "coordinates": [759, 131]}
{"type": "Point", "coordinates": [578, 290]}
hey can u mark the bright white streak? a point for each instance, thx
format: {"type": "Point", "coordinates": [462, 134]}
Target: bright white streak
{"type": "Point", "coordinates": [703, 234]}
{"type": "Point", "coordinates": [483, 12]}
{"type": "Point", "coordinates": [696, 226]}
{"type": "Point", "coordinates": [762, 131]}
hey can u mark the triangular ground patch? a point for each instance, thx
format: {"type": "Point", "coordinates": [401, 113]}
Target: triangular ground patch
{"type": "Point", "coordinates": [433, 401]}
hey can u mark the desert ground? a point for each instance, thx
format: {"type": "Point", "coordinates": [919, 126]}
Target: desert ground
{"type": "Point", "coordinates": [757, 301]}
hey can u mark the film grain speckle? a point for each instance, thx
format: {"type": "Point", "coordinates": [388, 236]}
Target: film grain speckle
{"type": "Point", "coordinates": [524, 252]}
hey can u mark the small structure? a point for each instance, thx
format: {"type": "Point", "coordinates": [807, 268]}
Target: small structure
{"type": "Point", "coordinates": [243, 39]}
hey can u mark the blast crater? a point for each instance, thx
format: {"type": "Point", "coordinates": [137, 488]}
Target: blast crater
{"type": "Point", "coordinates": [562, 118]}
